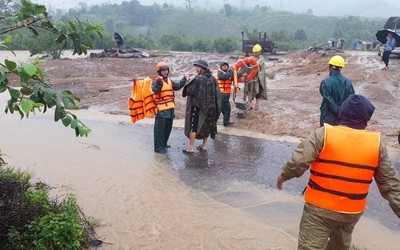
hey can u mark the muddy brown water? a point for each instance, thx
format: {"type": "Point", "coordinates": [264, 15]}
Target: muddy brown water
{"type": "Point", "coordinates": [222, 199]}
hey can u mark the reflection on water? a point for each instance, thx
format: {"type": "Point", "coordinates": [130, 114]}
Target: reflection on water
{"type": "Point", "coordinates": [222, 199]}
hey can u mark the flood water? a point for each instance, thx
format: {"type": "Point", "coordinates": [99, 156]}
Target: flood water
{"type": "Point", "coordinates": [22, 56]}
{"type": "Point", "coordinates": [222, 199]}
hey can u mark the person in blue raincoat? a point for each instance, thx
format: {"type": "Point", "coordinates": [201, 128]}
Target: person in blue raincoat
{"type": "Point", "coordinates": [334, 90]}
{"type": "Point", "coordinates": [387, 49]}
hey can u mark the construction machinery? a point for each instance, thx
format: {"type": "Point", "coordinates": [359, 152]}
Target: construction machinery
{"type": "Point", "coordinates": [267, 45]}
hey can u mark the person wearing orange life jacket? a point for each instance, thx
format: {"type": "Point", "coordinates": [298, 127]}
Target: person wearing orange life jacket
{"type": "Point", "coordinates": [342, 159]}
{"type": "Point", "coordinates": [225, 80]}
{"type": "Point", "coordinates": [163, 88]}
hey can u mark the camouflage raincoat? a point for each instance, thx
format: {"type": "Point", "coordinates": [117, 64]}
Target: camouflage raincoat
{"type": "Point", "coordinates": [203, 92]}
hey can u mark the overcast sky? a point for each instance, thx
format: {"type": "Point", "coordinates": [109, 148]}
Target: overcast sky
{"type": "Point", "coordinates": [370, 8]}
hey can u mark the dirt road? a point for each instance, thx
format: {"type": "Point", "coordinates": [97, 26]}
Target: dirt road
{"type": "Point", "coordinates": [294, 99]}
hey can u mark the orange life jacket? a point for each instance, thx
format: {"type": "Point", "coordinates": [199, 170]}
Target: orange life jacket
{"type": "Point", "coordinates": [341, 175]}
{"type": "Point", "coordinates": [249, 62]}
{"type": "Point", "coordinates": [135, 103]}
{"type": "Point", "coordinates": [165, 99]}
{"type": "Point", "coordinates": [149, 105]}
{"type": "Point", "coordinates": [224, 85]}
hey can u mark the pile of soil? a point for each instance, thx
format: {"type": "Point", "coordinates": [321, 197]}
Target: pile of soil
{"type": "Point", "coordinates": [292, 108]}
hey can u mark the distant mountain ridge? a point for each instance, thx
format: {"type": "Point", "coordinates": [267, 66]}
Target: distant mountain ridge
{"type": "Point", "coordinates": [373, 8]}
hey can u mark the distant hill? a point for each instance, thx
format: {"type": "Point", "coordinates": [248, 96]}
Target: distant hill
{"type": "Point", "coordinates": [160, 22]}
{"type": "Point", "coordinates": [365, 8]}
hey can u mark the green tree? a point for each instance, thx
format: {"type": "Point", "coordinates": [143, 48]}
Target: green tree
{"type": "Point", "coordinates": [202, 45]}
{"type": "Point", "coordinates": [43, 45]}
{"type": "Point", "coordinates": [173, 42]}
{"type": "Point", "coordinates": [33, 93]}
{"type": "Point", "coordinates": [279, 35]}
{"type": "Point", "coordinates": [225, 45]}
{"type": "Point", "coordinates": [300, 35]}
{"type": "Point", "coordinates": [265, 9]}
{"type": "Point", "coordinates": [228, 10]}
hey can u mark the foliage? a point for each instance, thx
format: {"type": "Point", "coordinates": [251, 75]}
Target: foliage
{"type": "Point", "coordinates": [2, 162]}
{"type": "Point", "coordinates": [37, 95]}
{"type": "Point", "coordinates": [224, 45]}
{"type": "Point", "coordinates": [353, 27]}
{"type": "Point", "coordinates": [135, 41]}
{"type": "Point", "coordinates": [181, 45]}
{"type": "Point", "coordinates": [44, 45]}
{"type": "Point", "coordinates": [300, 35]}
{"type": "Point", "coordinates": [228, 10]}
{"type": "Point", "coordinates": [158, 21]}
{"type": "Point", "coordinates": [31, 220]}
{"type": "Point", "coordinates": [10, 174]}
{"type": "Point", "coordinates": [58, 228]}
{"type": "Point", "coordinates": [34, 93]}
{"type": "Point", "coordinates": [35, 17]}
{"type": "Point", "coordinates": [202, 45]}
{"type": "Point", "coordinates": [174, 42]}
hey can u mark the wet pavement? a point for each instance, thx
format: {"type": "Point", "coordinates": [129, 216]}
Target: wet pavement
{"type": "Point", "coordinates": [257, 161]}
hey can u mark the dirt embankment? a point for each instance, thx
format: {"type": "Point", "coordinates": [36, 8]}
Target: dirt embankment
{"type": "Point", "coordinates": [293, 105]}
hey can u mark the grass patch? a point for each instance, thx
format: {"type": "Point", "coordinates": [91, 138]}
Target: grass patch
{"type": "Point", "coordinates": [31, 219]}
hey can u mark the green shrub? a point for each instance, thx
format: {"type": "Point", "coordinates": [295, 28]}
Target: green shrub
{"type": "Point", "coordinates": [2, 162]}
{"type": "Point", "coordinates": [225, 45]}
{"type": "Point", "coordinates": [58, 228]}
{"type": "Point", "coordinates": [202, 45]}
{"type": "Point", "coordinates": [31, 220]}
{"type": "Point", "coordinates": [44, 45]}
{"type": "Point", "coordinates": [13, 175]}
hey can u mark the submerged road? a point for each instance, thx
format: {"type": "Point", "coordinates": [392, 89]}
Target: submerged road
{"type": "Point", "coordinates": [258, 161]}
{"type": "Point", "coordinates": [224, 198]}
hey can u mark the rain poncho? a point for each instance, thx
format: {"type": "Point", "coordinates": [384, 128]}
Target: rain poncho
{"type": "Point", "coordinates": [203, 92]}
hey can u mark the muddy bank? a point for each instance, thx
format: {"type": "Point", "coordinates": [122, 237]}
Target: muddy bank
{"type": "Point", "coordinates": [293, 105]}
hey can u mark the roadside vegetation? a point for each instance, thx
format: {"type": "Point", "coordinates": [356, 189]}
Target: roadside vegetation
{"type": "Point", "coordinates": [29, 217]}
